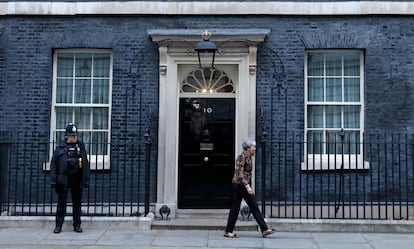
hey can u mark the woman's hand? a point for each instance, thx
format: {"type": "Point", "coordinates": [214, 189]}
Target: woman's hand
{"type": "Point", "coordinates": [249, 189]}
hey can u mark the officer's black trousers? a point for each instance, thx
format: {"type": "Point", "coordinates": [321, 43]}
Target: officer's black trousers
{"type": "Point", "coordinates": [76, 193]}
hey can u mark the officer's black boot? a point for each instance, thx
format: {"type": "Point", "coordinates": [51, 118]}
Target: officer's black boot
{"type": "Point", "coordinates": [59, 223]}
{"type": "Point", "coordinates": [77, 228]}
{"type": "Point", "coordinates": [58, 229]}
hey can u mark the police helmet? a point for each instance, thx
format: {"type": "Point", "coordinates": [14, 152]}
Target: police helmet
{"type": "Point", "coordinates": [71, 130]}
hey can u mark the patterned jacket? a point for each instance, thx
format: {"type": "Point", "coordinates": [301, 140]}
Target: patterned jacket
{"type": "Point", "coordinates": [243, 169]}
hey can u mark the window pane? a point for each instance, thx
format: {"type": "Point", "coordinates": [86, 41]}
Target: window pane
{"type": "Point", "coordinates": [315, 117]}
{"type": "Point", "coordinates": [85, 136]}
{"type": "Point", "coordinates": [59, 136]}
{"type": "Point", "coordinates": [99, 143]}
{"type": "Point", "coordinates": [65, 65]}
{"type": "Point", "coordinates": [315, 89]}
{"type": "Point", "coordinates": [333, 117]}
{"type": "Point", "coordinates": [64, 116]}
{"type": "Point", "coordinates": [351, 64]}
{"type": "Point", "coordinates": [351, 116]}
{"type": "Point", "coordinates": [83, 65]}
{"type": "Point", "coordinates": [352, 144]}
{"type": "Point", "coordinates": [333, 64]}
{"type": "Point", "coordinates": [315, 142]}
{"type": "Point", "coordinates": [334, 89]}
{"type": "Point", "coordinates": [83, 117]}
{"type": "Point", "coordinates": [315, 64]}
{"type": "Point", "coordinates": [101, 65]}
{"type": "Point", "coordinates": [207, 81]}
{"type": "Point", "coordinates": [351, 90]}
{"type": "Point", "coordinates": [64, 90]}
{"type": "Point", "coordinates": [83, 91]}
{"type": "Point", "coordinates": [333, 141]}
{"type": "Point", "coordinates": [100, 118]}
{"type": "Point", "coordinates": [101, 91]}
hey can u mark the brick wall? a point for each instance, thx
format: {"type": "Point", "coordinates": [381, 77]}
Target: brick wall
{"type": "Point", "coordinates": [27, 44]}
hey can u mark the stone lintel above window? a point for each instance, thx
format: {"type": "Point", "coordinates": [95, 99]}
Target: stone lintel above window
{"type": "Point", "coordinates": [335, 41]}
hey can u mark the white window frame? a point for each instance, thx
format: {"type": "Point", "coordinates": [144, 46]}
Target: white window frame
{"type": "Point", "coordinates": [97, 162]}
{"type": "Point", "coordinates": [325, 161]}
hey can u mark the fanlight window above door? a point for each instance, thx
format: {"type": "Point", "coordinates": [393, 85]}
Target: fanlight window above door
{"type": "Point", "coordinates": [207, 81]}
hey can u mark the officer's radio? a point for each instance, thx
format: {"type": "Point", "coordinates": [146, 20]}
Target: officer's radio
{"type": "Point", "coordinates": [74, 158]}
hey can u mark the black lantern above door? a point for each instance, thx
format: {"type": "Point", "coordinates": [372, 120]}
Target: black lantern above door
{"type": "Point", "coordinates": [206, 51]}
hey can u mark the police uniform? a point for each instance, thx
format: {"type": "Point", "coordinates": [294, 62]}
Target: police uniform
{"type": "Point", "coordinates": [69, 171]}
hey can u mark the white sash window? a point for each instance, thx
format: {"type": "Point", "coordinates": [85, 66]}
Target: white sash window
{"type": "Point", "coordinates": [82, 86]}
{"type": "Point", "coordinates": [334, 102]}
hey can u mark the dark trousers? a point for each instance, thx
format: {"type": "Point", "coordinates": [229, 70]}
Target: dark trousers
{"type": "Point", "coordinates": [239, 193]}
{"type": "Point", "coordinates": [76, 193]}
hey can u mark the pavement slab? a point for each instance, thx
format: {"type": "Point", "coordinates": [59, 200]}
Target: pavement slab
{"type": "Point", "coordinates": [126, 238]}
{"type": "Point", "coordinates": [44, 238]}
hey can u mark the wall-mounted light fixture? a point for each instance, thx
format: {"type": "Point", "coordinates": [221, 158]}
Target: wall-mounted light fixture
{"type": "Point", "coordinates": [206, 51]}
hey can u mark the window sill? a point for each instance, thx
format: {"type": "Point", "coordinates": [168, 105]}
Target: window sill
{"type": "Point", "coordinates": [93, 166]}
{"type": "Point", "coordinates": [325, 162]}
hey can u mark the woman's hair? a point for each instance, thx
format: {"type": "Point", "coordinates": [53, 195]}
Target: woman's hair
{"type": "Point", "coordinates": [248, 143]}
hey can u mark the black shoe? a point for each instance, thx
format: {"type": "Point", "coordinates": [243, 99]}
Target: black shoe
{"type": "Point", "coordinates": [77, 229]}
{"type": "Point", "coordinates": [57, 230]}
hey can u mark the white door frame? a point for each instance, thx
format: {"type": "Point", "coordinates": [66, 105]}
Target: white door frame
{"type": "Point", "coordinates": [171, 55]}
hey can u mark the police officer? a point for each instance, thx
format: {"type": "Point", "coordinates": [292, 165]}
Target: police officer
{"type": "Point", "coordinates": [69, 170]}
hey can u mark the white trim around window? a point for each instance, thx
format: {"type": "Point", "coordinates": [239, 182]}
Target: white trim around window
{"type": "Point", "coordinates": [334, 110]}
{"type": "Point", "coordinates": [82, 93]}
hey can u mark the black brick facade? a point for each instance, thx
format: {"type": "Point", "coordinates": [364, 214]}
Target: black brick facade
{"type": "Point", "coordinates": [27, 44]}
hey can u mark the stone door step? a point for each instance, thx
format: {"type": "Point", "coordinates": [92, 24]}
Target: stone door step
{"type": "Point", "coordinates": [201, 219]}
{"type": "Point", "coordinates": [200, 224]}
{"type": "Point", "coordinates": [202, 213]}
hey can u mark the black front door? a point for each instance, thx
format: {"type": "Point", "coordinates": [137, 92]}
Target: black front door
{"type": "Point", "coordinates": [206, 152]}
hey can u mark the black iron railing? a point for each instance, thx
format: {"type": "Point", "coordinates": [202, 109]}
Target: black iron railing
{"type": "Point", "coordinates": [375, 181]}
{"type": "Point", "coordinates": [372, 179]}
{"type": "Point", "coordinates": [119, 185]}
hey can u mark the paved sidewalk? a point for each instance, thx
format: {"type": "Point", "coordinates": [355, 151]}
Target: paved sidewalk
{"type": "Point", "coordinates": [43, 238]}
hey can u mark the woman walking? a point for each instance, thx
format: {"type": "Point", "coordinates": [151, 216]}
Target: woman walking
{"type": "Point", "coordinates": [242, 190]}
